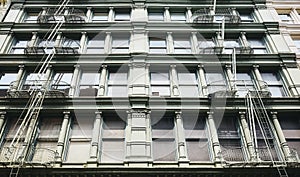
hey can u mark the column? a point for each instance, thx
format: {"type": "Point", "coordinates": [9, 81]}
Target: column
{"type": "Point", "coordinates": [181, 144]}
{"type": "Point", "coordinates": [58, 42]}
{"type": "Point", "coordinates": [167, 15]}
{"type": "Point", "coordinates": [189, 15]}
{"type": "Point", "coordinates": [282, 140]}
{"type": "Point", "coordinates": [262, 85]}
{"type": "Point", "coordinates": [83, 42]}
{"type": "Point", "coordinates": [107, 43]}
{"type": "Point", "coordinates": [2, 120]}
{"type": "Point", "coordinates": [96, 137]}
{"type": "Point", "coordinates": [47, 78]}
{"type": "Point", "coordinates": [74, 81]}
{"type": "Point", "coordinates": [102, 82]}
{"type": "Point", "coordinates": [231, 78]}
{"type": "Point", "coordinates": [111, 14]}
{"type": "Point", "coordinates": [5, 43]}
{"type": "Point", "coordinates": [174, 81]}
{"type": "Point", "coordinates": [291, 86]}
{"type": "Point", "coordinates": [244, 40]}
{"type": "Point", "coordinates": [34, 40]}
{"type": "Point", "coordinates": [62, 135]}
{"type": "Point", "coordinates": [16, 84]}
{"type": "Point", "coordinates": [295, 16]}
{"type": "Point", "coordinates": [202, 80]}
{"type": "Point", "coordinates": [170, 44]}
{"type": "Point", "coordinates": [194, 43]}
{"type": "Point", "coordinates": [89, 14]}
{"type": "Point", "coordinates": [247, 135]}
{"type": "Point", "coordinates": [147, 79]}
{"type": "Point", "coordinates": [214, 137]}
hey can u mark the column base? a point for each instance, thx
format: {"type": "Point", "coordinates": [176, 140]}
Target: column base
{"type": "Point", "coordinates": [93, 163]}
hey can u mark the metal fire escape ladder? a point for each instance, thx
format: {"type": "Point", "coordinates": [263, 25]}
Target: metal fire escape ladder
{"type": "Point", "coordinates": [257, 113]}
{"type": "Point", "coordinates": [33, 107]}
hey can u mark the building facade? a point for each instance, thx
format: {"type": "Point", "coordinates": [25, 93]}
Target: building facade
{"type": "Point", "coordinates": [148, 88]}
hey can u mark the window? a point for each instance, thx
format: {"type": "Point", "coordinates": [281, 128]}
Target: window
{"type": "Point", "coordinates": [195, 136]}
{"type": "Point", "coordinates": [117, 84]}
{"type": "Point", "coordinates": [286, 18]}
{"type": "Point", "coordinates": [178, 16]}
{"type": "Point", "coordinates": [215, 82]}
{"type": "Point", "coordinates": [188, 84]}
{"type": "Point", "coordinates": [46, 143]}
{"type": "Point", "coordinates": [95, 45]}
{"type": "Point", "coordinates": [160, 83]}
{"type": "Point", "coordinates": [69, 46]}
{"type": "Point", "coordinates": [182, 45]}
{"type": "Point", "coordinates": [297, 43]}
{"type": "Point", "coordinates": [120, 43]}
{"type": "Point", "coordinates": [163, 136]}
{"type": "Point", "coordinates": [122, 14]}
{"type": "Point", "coordinates": [6, 79]}
{"type": "Point", "coordinates": [89, 84]}
{"type": "Point", "coordinates": [157, 45]}
{"type": "Point", "coordinates": [156, 16]}
{"type": "Point", "coordinates": [258, 46]}
{"type": "Point", "coordinates": [47, 46]}
{"type": "Point", "coordinates": [99, 16]}
{"type": "Point", "coordinates": [62, 82]}
{"type": "Point", "coordinates": [113, 137]}
{"type": "Point", "coordinates": [80, 138]}
{"type": "Point", "coordinates": [290, 124]}
{"type": "Point", "coordinates": [246, 18]}
{"type": "Point", "coordinates": [230, 140]}
{"type": "Point", "coordinates": [19, 46]}
{"type": "Point", "coordinates": [33, 81]}
{"type": "Point", "coordinates": [244, 83]}
{"type": "Point", "coordinates": [229, 44]}
{"type": "Point", "coordinates": [274, 84]}
{"type": "Point", "coordinates": [207, 46]}
{"type": "Point", "coordinates": [31, 17]}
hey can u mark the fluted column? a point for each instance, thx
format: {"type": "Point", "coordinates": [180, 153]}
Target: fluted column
{"type": "Point", "coordinates": [94, 151]}
{"type": "Point", "coordinates": [247, 134]}
{"type": "Point", "coordinates": [174, 81]}
{"type": "Point", "coordinates": [189, 15]}
{"type": "Point", "coordinates": [2, 120]}
{"type": "Point", "coordinates": [83, 42]}
{"type": "Point", "coordinates": [167, 15]}
{"type": "Point", "coordinates": [47, 77]}
{"type": "Point", "coordinates": [19, 78]}
{"type": "Point", "coordinates": [74, 81]}
{"type": "Point", "coordinates": [102, 83]}
{"type": "Point", "coordinates": [181, 144]}
{"type": "Point", "coordinates": [291, 86]}
{"type": "Point", "coordinates": [111, 14]}
{"type": "Point", "coordinates": [202, 80]}
{"type": "Point", "coordinates": [231, 78]}
{"type": "Point", "coordinates": [89, 14]}
{"type": "Point", "coordinates": [107, 43]}
{"type": "Point", "coordinates": [62, 135]}
{"type": "Point", "coordinates": [214, 137]}
{"type": "Point", "coordinates": [170, 43]}
{"type": "Point", "coordinates": [262, 85]}
{"type": "Point", "coordinates": [194, 41]}
{"type": "Point", "coordinates": [282, 140]}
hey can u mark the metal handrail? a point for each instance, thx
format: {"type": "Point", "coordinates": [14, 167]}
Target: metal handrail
{"type": "Point", "coordinates": [58, 50]}
{"type": "Point", "coordinates": [74, 16]}
{"type": "Point", "coordinates": [205, 16]}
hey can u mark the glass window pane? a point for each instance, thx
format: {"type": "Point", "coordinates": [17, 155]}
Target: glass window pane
{"type": "Point", "coordinates": [117, 78]}
{"type": "Point", "coordinates": [100, 16]}
{"type": "Point", "coordinates": [21, 44]}
{"type": "Point", "coordinates": [231, 43]}
{"type": "Point", "coordinates": [205, 44]}
{"type": "Point", "coordinates": [156, 16]}
{"type": "Point", "coordinates": [112, 150]}
{"type": "Point", "coordinates": [277, 91]}
{"type": "Point", "coordinates": [270, 78]}
{"type": "Point", "coordinates": [164, 149]}
{"type": "Point", "coordinates": [214, 77]}
{"type": "Point", "coordinates": [154, 42]}
{"type": "Point", "coordinates": [243, 76]}
{"type": "Point", "coordinates": [197, 149]}
{"type": "Point", "coordinates": [188, 91]}
{"type": "Point", "coordinates": [90, 79]}
{"type": "Point", "coordinates": [180, 16]}
{"type": "Point", "coordinates": [256, 43]}
{"type": "Point", "coordinates": [158, 50]}
{"type": "Point", "coordinates": [122, 15]}
{"type": "Point", "coordinates": [182, 43]}
{"type": "Point", "coordinates": [78, 151]}
{"type": "Point", "coordinates": [159, 78]}
{"type": "Point", "coordinates": [82, 128]}
{"type": "Point", "coordinates": [7, 78]}
{"type": "Point", "coordinates": [187, 78]}
{"type": "Point", "coordinates": [117, 91]}
{"type": "Point", "coordinates": [95, 43]}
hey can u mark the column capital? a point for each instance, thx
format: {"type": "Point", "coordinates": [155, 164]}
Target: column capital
{"type": "Point", "coordinates": [98, 112]}
{"type": "Point", "coordinates": [66, 112]}
{"type": "Point", "coordinates": [242, 112]}
{"type": "Point", "coordinates": [169, 33]}
{"type": "Point", "coordinates": [255, 66]}
{"type": "Point", "coordinates": [173, 66]}
{"type": "Point", "coordinates": [210, 113]}
{"type": "Point", "coordinates": [189, 8]}
{"type": "Point", "coordinates": [83, 32]}
{"type": "Point", "coordinates": [49, 66]}
{"type": "Point", "coordinates": [243, 32]}
{"type": "Point", "coordinates": [104, 66]}
{"type": "Point", "coordinates": [111, 8]}
{"type": "Point", "coordinates": [167, 8]}
{"type": "Point", "coordinates": [89, 8]}
{"type": "Point", "coordinates": [108, 33]}
{"type": "Point", "coordinates": [178, 112]}
{"type": "Point", "coordinates": [34, 33]}
{"type": "Point", "coordinates": [21, 66]}
{"type": "Point", "coordinates": [77, 66]}
{"type": "Point", "coordinates": [194, 32]}
{"type": "Point", "coordinates": [200, 66]}
{"type": "Point", "coordinates": [228, 66]}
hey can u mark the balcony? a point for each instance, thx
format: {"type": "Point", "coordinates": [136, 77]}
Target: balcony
{"type": "Point", "coordinates": [46, 50]}
{"type": "Point", "coordinates": [219, 50]}
{"type": "Point", "coordinates": [51, 16]}
{"type": "Point", "coordinates": [207, 16]}
{"type": "Point", "coordinates": [52, 89]}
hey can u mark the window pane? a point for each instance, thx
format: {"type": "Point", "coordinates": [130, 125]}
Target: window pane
{"type": "Point", "coordinates": [182, 43]}
{"type": "Point", "coordinates": [256, 43]}
{"type": "Point", "coordinates": [187, 78]}
{"type": "Point", "coordinates": [122, 15]}
{"type": "Point", "coordinates": [205, 44]}
{"type": "Point", "coordinates": [178, 16]}
{"type": "Point", "coordinates": [78, 151]}
{"type": "Point", "coordinates": [116, 91]}
{"type": "Point", "coordinates": [159, 78]}
{"type": "Point", "coordinates": [231, 44]}
{"type": "Point", "coordinates": [156, 16]}
{"type": "Point", "coordinates": [164, 149]}
{"type": "Point", "coordinates": [243, 76]}
{"type": "Point", "coordinates": [270, 78]}
{"type": "Point", "coordinates": [213, 77]}
{"type": "Point", "coordinates": [50, 127]}
{"type": "Point", "coordinates": [197, 149]}
{"type": "Point", "coordinates": [188, 91]}
{"type": "Point", "coordinates": [112, 150]}
{"type": "Point", "coordinates": [100, 16]}
{"type": "Point", "coordinates": [7, 78]}
{"type": "Point", "coordinates": [117, 78]}
{"type": "Point", "coordinates": [160, 90]}
{"type": "Point", "coordinates": [277, 91]}
{"type": "Point", "coordinates": [44, 152]}
{"type": "Point", "coordinates": [155, 42]}
{"type": "Point", "coordinates": [90, 79]}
